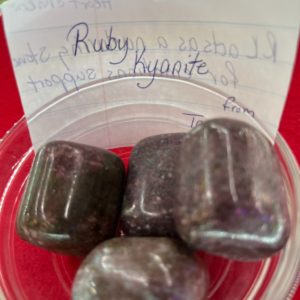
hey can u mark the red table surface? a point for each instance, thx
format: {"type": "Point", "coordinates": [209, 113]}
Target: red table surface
{"type": "Point", "coordinates": [11, 109]}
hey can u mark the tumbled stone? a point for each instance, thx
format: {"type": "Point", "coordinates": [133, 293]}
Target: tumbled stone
{"type": "Point", "coordinates": [232, 197]}
{"type": "Point", "coordinates": [150, 189]}
{"type": "Point", "coordinates": [141, 268]}
{"type": "Point", "coordinates": [72, 199]}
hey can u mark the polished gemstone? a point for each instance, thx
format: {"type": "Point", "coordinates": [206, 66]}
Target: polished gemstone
{"type": "Point", "coordinates": [232, 197]}
{"type": "Point", "coordinates": [72, 199]}
{"type": "Point", "coordinates": [141, 268]}
{"type": "Point", "coordinates": [151, 186]}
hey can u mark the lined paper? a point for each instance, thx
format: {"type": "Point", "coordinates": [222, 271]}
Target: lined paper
{"type": "Point", "coordinates": [245, 50]}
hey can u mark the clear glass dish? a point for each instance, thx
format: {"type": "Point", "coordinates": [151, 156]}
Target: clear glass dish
{"type": "Point", "coordinates": [115, 115]}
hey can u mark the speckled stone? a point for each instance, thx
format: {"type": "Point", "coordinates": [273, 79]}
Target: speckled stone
{"type": "Point", "coordinates": [72, 199]}
{"type": "Point", "coordinates": [141, 268]}
{"type": "Point", "coordinates": [151, 186]}
{"type": "Point", "coordinates": [232, 198]}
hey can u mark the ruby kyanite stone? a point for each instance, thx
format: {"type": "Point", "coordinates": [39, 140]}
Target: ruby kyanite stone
{"type": "Point", "coordinates": [232, 198]}
{"type": "Point", "coordinates": [73, 198]}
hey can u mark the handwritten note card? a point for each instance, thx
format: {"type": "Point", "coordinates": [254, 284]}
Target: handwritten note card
{"type": "Point", "coordinates": [244, 48]}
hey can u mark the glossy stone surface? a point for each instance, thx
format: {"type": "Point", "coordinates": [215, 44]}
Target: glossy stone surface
{"type": "Point", "coordinates": [151, 186]}
{"type": "Point", "coordinates": [141, 268]}
{"type": "Point", "coordinates": [72, 199]}
{"type": "Point", "coordinates": [232, 199]}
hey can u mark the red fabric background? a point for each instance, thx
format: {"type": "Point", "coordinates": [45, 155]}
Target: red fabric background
{"type": "Point", "coordinates": [11, 109]}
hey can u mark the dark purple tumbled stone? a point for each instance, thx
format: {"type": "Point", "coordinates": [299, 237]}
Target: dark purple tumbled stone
{"type": "Point", "coordinates": [232, 197]}
{"type": "Point", "coordinates": [150, 189]}
{"type": "Point", "coordinates": [141, 268]}
{"type": "Point", "coordinates": [73, 198]}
